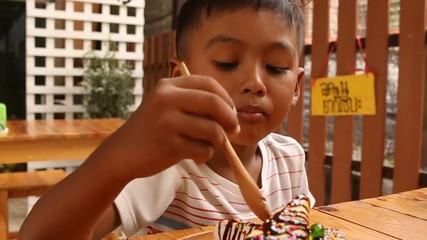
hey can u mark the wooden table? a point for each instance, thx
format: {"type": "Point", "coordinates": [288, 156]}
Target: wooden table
{"type": "Point", "coordinates": [44, 140]}
{"type": "Point", "coordinates": [396, 216]}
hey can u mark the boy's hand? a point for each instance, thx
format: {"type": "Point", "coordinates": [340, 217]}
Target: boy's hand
{"type": "Point", "coordinates": [181, 118]}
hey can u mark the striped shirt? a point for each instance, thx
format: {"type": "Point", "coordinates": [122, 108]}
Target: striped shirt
{"type": "Point", "coordinates": [191, 195]}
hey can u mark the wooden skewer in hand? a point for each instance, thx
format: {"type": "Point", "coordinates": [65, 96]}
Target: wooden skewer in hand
{"type": "Point", "coordinates": [247, 185]}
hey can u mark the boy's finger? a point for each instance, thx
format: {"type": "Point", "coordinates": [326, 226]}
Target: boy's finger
{"type": "Point", "coordinates": [207, 105]}
{"type": "Point", "coordinates": [204, 83]}
{"type": "Point", "coordinates": [201, 129]}
{"type": "Point", "coordinates": [196, 150]}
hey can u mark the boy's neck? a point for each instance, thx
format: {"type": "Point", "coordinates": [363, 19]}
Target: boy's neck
{"type": "Point", "coordinates": [249, 156]}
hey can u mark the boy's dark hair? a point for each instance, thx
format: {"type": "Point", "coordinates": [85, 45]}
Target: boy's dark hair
{"type": "Point", "coordinates": [192, 12]}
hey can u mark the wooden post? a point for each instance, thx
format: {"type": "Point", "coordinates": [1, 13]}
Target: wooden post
{"type": "Point", "coordinates": [4, 215]}
{"type": "Point", "coordinates": [317, 134]}
{"type": "Point", "coordinates": [344, 125]}
{"type": "Point", "coordinates": [295, 123]}
{"type": "Point", "coordinates": [410, 101]}
{"type": "Point", "coordinates": [373, 127]}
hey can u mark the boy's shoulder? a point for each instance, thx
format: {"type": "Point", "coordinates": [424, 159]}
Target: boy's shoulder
{"type": "Point", "coordinates": [280, 145]}
{"type": "Point", "coordinates": [280, 140]}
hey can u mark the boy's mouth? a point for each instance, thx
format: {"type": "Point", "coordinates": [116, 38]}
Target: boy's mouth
{"type": "Point", "coordinates": [250, 113]}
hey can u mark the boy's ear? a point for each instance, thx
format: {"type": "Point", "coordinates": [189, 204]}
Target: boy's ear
{"type": "Point", "coordinates": [297, 90]}
{"type": "Point", "coordinates": [174, 69]}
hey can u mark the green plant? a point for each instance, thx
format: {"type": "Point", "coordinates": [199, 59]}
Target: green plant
{"type": "Point", "coordinates": [108, 85]}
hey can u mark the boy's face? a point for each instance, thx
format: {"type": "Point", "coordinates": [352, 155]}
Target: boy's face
{"type": "Point", "coordinates": [254, 56]}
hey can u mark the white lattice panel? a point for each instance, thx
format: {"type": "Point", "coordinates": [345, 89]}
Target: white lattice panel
{"type": "Point", "coordinates": [60, 33]}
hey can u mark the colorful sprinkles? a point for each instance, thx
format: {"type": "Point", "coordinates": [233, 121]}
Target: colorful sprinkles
{"type": "Point", "coordinates": [289, 224]}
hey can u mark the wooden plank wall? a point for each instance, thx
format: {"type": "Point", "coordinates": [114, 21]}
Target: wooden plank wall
{"type": "Point", "coordinates": [317, 129]}
{"type": "Point", "coordinates": [409, 120]}
{"type": "Point", "coordinates": [376, 57]}
{"type": "Point", "coordinates": [410, 106]}
{"type": "Point", "coordinates": [157, 51]}
{"type": "Point", "coordinates": [344, 125]}
{"type": "Point", "coordinates": [412, 68]}
{"type": "Point", "coordinates": [408, 133]}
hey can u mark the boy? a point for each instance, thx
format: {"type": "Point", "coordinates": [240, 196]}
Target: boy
{"type": "Point", "coordinates": [243, 56]}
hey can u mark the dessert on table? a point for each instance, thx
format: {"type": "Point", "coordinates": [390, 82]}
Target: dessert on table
{"type": "Point", "coordinates": [292, 222]}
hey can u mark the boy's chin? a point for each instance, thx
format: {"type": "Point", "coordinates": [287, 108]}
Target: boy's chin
{"type": "Point", "coordinates": [245, 138]}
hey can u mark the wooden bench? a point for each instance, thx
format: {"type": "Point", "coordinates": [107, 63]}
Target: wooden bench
{"type": "Point", "coordinates": [23, 184]}
{"type": "Point", "coordinates": [45, 140]}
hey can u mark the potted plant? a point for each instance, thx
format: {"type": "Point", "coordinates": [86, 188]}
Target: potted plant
{"type": "Point", "coordinates": [108, 85]}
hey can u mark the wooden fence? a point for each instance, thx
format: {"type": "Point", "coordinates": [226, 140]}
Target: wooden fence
{"type": "Point", "coordinates": [336, 184]}
{"type": "Point", "coordinates": [157, 51]}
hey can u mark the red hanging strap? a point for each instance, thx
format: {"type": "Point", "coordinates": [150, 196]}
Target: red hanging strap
{"type": "Point", "coordinates": [362, 54]}
{"type": "Point", "coordinates": [332, 49]}
{"type": "Point", "coordinates": [325, 64]}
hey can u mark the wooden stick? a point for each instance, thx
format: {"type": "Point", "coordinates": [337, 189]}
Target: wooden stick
{"type": "Point", "coordinates": [250, 191]}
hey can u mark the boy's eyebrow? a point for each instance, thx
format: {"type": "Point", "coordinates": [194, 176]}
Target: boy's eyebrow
{"type": "Point", "coordinates": [221, 39]}
{"type": "Point", "coordinates": [285, 46]}
{"type": "Point", "coordinates": [226, 39]}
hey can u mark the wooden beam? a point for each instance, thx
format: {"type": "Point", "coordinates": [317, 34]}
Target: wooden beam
{"type": "Point", "coordinates": [373, 127]}
{"type": "Point", "coordinates": [317, 131]}
{"type": "Point", "coordinates": [410, 104]}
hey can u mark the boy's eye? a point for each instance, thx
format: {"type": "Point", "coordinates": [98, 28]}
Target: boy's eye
{"type": "Point", "coordinates": [277, 70]}
{"type": "Point", "coordinates": [225, 65]}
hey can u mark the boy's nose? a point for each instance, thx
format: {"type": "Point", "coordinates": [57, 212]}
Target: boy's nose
{"type": "Point", "coordinates": [253, 84]}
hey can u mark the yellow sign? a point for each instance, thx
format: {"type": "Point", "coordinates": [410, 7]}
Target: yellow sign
{"type": "Point", "coordinates": [343, 95]}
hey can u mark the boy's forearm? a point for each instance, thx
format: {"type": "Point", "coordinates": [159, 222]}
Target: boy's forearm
{"type": "Point", "coordinates": [72, 208]}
